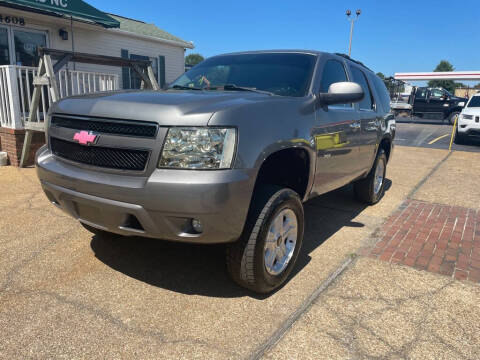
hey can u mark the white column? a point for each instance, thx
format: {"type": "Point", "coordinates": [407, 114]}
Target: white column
{"type": "Point", "coordinates": [14, 97]}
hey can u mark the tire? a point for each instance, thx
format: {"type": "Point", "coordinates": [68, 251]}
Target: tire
{"type": "Point", "coordinates": [459, 139]}
{"type": "Point", "coordinates": [365, 189]}
{"type": "Point", "coordinates": [451, 117]}
{"type": "Point", "coordinates": [96, 231]}
{"type": "Point", "coordinates": [246, 259]}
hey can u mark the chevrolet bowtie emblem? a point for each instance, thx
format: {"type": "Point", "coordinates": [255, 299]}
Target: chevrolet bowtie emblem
{"type": "Point", "coordinates": [85, 137]}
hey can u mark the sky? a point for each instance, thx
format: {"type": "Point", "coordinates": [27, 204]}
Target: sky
{"type": "Point", "coordinates": [389, 36]}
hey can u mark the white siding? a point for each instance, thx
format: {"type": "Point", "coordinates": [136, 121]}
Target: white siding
{"type": "Point", "coordinates": [97, 40]}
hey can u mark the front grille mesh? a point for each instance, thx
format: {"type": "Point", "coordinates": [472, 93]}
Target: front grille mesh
{"type": "Point", "coordinates": [112, 158]}
{"type": "Point", "coordinates": [117, 127]}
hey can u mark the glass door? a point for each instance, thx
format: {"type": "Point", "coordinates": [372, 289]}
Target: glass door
{"type": "Point", "coordinates": [26, 45]}
{"type": "Point", "coordinates": [4, 48]}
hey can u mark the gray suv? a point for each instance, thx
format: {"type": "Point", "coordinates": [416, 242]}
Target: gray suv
{"type": "Point", "coordinates": [227, 154]}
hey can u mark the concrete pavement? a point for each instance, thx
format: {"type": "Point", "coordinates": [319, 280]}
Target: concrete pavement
{"type": "Point", "coordinates": [379, 309]}
{"type": "Point", "coordinates": [66, 293]}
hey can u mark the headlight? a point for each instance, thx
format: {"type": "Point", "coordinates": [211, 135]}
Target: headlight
{"type": "Point", "coordinates": [466, 117]}
{"type": "Point", "coordinates": [198, 148]}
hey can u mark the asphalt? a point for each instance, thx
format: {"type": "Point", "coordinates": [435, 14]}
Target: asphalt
{"type": "Point", "coordinates": [67, 294]}
{"type": "Point", "coordinates": [431, 134]}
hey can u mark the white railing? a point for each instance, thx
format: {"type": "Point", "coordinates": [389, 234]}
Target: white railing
{"type": "Point", "coordinates": [82, 82]}
{"type": "Point", "coordinates": [16, 91]}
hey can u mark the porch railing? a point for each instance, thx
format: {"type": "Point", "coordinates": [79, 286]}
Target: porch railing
{"type": "Point", "coordinates": [16, 89]}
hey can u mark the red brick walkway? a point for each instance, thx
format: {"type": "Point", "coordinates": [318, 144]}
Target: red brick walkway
{"type": "Point", "coordinates": [438, 238]}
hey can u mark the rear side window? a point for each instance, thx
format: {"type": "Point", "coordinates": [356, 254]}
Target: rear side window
{"type": "Point", "coordinates": [382, 92]}
{"type": "Point", "coordinates": [333, 72]}
{"type": "Point", "coordinates": [359, 78]}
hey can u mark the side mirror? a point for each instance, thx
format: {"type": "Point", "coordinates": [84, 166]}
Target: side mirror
{"type": "Point", "coordinates": [342, 93]}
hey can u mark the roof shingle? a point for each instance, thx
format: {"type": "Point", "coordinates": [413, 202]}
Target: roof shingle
{"type": "Point", "coordinates": [142, 28]}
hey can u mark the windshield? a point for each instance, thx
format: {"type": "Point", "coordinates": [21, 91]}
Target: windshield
{"type": "Point", "coordinates": [285, 74]}
{"type": "Point", "coordinates": [474, 102]}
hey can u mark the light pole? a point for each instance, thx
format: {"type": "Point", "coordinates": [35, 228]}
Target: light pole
{"type": "Point", "coordinates": [352, 21]}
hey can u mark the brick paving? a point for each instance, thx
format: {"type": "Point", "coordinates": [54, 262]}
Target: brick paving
{"type": "Point", "coordinates": [434, 237]}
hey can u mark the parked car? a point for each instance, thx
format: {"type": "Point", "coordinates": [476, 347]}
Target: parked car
{"type": "Point", "coordinates": [431, 102]}
{"type": "Point", "coordinates": [468, 124]}
{"type": "Point", "coordinates": [227, 154]}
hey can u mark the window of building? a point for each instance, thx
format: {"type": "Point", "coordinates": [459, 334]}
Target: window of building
{"type": "Point", "coordinates": [26, 45]}
{"type": "Point", "coordinates": [19, 47]}
{"type": "Point", "coordinates": [4, 48]}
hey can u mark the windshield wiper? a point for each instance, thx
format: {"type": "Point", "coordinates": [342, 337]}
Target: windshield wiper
{"type": "Point", "coordinates": [243, 88]}
{"type": "Point", "coordinates": [182, 87]}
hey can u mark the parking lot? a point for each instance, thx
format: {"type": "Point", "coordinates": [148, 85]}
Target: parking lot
{"type": "Point", "coordinates": [430, 134]}
{"type": "Point", "coordinates": [66, 293]}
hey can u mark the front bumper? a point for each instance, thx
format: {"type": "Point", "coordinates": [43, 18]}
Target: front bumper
{"type": "Point", "coordinates": [469, 127]}
{"type": "Point", "coordinates": [161, 205]}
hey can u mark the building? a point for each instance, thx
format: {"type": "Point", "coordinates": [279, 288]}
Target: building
{"type": "Point", "coordinates": [466, 92]}
{"type": "Point", "coordinates": [73, 25]}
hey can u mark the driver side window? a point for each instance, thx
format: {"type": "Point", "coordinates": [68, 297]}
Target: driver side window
{"type": "Point", "coordinates": [333, 72]}
{"type": "Point", "coordinates": [436, 93]}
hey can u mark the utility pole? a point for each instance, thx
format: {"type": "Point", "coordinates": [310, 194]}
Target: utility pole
{"type": "Point", "coordinates": [352, 21]}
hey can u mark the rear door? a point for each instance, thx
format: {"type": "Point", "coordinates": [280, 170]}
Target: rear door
{"type": "Point", "coordinates": [334, 132]}
{"type": "Point", "coordinates": [420, 100]}
{"type": "Point", "coordinates": [367, 109]}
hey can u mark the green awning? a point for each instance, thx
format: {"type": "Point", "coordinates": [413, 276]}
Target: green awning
{"type": "Point", "coordinates": [77, 9]}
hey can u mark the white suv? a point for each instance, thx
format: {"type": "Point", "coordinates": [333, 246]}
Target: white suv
{"type": "Point", "coordinates": [469, 120]}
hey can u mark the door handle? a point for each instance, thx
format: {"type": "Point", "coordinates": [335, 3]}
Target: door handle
{"type": "Point", "coordinates": [355, 125]}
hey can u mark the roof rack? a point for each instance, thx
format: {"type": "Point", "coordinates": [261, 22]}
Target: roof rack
{"type": "Point", "coordinates": [353, 60]}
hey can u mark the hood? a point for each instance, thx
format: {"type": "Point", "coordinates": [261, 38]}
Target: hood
{"type": "Point", "coordinates": [471, 111]}
{"type": "Point", "coordinates": [459, 99]}
{"type": "Point", "coordinates": [184, 108]}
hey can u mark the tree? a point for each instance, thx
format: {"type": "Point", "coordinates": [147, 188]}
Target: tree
{"type": "Point", "coordinates": [393, 86]}
{"type": "Point", "coordinates": [193, 59]}
{"type": "Point", "coordinates": [448, 85]}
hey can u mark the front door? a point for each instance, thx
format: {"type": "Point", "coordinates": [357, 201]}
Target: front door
{"type": "Point", "coordinates": [334, 134]}
{"type": "Point", "coordinates": [26, 44]}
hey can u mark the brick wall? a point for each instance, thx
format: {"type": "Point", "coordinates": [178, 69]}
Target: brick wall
{"type": "Point", "coordinates": [11, 141]}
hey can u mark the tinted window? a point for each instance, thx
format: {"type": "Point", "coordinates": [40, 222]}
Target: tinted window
{"type": "Point", "coordinates": [286, 74]}
{"type": "Point", "coordinates": [421, 93]}
{"type": "Point", "coordinates": [382, 92]}
{"type": "Point", "coordinates": [474, 102]}
{"type": "Point", "coordinates": [332, 72]}
{"type": "Point", "coordinates": [359, 78]}
{"type": "Point", "coordinates": [436, 93]}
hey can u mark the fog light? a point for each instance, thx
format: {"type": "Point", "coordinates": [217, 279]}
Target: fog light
{"type": "Point", "coordinates": [197, 226]}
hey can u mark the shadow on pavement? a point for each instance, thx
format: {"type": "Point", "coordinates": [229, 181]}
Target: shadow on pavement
{"type": "Point", "coordinates": [200, 269]}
